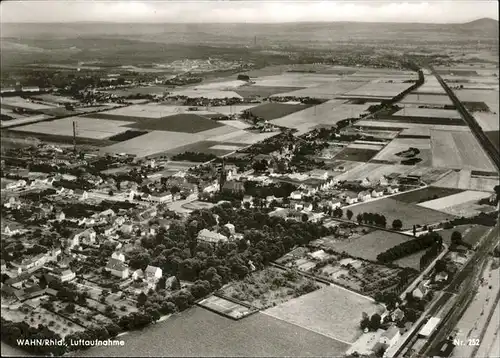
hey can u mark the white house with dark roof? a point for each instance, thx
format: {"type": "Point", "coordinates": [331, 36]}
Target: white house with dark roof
{"type": "Point", "coordinates": [211, 237]}
{"type": "Point", "coordinates": [364, 196]}
{"type": "Point", "coordinates": [118, 256]}
{"type": "Point", "coordinates": [392, 189]}
{"type": "Point", "coordinates": [117, 268]}
{"type": "Point", "coordinates": [390, 336]}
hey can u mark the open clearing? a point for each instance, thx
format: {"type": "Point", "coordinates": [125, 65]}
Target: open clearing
{"type": "Point", "coordinates": [487, 120]}
{"type": "Point", "coordinates": [458, 150]}
{"type": "Point", "coordinates": [268, 111]}
{"type": "Point", "coordinates": [409, 214]}
{"type": "Point", "coordinates": [425, 194]}
{"type": "Point", "coordinates": [198, 332]}
{"type": "Point", "coordinates": [370, 245]}
{"type": "Point", "coordinates": [423, 99]}
{"type": "Point", "coordinates": [332, 311]}
{"type": "Point", "coordinates": [184, 122]}
{"type": "Point", "coordinates": [454, 199]}
{"type": "Point", "coordinates": [86, 127]}
{"type": "Point", "coordinates": [402, 144]}
{"type": "Point", "coordinates": [323, 91]}
{"type": "Point", "coordinates": [427, 112]}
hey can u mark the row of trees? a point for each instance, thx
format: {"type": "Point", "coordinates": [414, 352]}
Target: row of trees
{"type": "Point", "coordinates": [372, 219]}
{"type": "Point", "coordinates": [409, 247]}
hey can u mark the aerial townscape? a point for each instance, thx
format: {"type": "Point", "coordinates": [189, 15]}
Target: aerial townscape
{"type": "Point", "coordinates": [280, 189]}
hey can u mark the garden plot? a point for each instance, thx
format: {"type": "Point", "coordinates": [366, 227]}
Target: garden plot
{"type": "Point", "coordinates": [210, 94]}
{"type": "Point", "coordinates": [331, 311]}
{"type": "Point", "coordinates": [423, 99]}
{"type": "Point", "coordinates": [324, 91]}
{"type": "Point", "coordinates": [400, 145]}
{"type": "Point", "coordinates": [458, 150]}
{"type": "Point", "coordinates": [428, 112]}
{"type": "Point", "coordinates": [487, 120]}
{"type": "Point", "coordinates": [269, 287]}
{"type": "Point", "coordinates": [18, 102]}
{"type": "Point", "coordinates": [392, 209]}
{"type": "Point", "coordinates": [85, 127]}
{"type": "Point", "coordinates": [328, 113]}
{"type": "Point", "coordinates": [378, 90]}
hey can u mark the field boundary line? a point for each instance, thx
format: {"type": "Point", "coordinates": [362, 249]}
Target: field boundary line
{"type": "Point", "coordinates": [308, 329]}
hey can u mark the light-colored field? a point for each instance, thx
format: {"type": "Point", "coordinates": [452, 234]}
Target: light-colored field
{"type": "Point", "coordinates": [458, 150]}
{"type": "Point", "coordinates": [328, 113]}
{"type": "Point", "coordinates": [366, 146]}
{"type": "Point", "coordinates": [463, 180]}
{"type": "Point", "coordinates": [378, 90]}
{"type": "Point", "coordinates": [430, 86]}
{"type": "Point", "coordinates": [24, 120]}
{"type": "Point", "coordinates": [154, 111]}
{"type": "Point", "coordinates": [225, 147]}
{"type": "Point", "coordinates": [427, 112]}
{"type": "Point", "coordinates": [427, 99]}
{"type": "Point", "coordinates": [487, 120]}
{"type": "Point", "coordinates": [242, 137]}
{"type": "Point", "coordinates": [54, 99]}
{"type": "Point", "coordinates": [236, 124]}
{"type": "Point", "coordinates": [332, 311]}
{"type": "Point", "coordinates": [23, 103]}
{"type": "Point", "coordinates": [401, 144]}
{"type": "Point", "coordinates": [455, 199]}
{"type": "Point", "coordinates": [412, 126]}
{"type": "Point", "coordinates": [324, 91]}
{"type": "Point", "coordinates": [487, 96]}
{"type": "Point", "coordinates": [86, 127]}
{"type": "Point", "coordinates": [372, 171]}
{"type": "Point", "coordinates": [227, 110]}
{"type": "Point", "coordinates": [211, 94]}
{"type": "Point", "coordinates": [221, 86]}
{"type": "Point", "coordinates": [291, 79]}
{"type": "Point", "coordinates": [409, 214]}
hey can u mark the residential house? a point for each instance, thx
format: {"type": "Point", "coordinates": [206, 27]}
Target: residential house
{"type": "Point", "coordinates": [88, 236]}
{"type": "Point", "coordinates": [109, 213]}
{"type": "Point", "coordinates": [383, 181]}
{"type": "Point", "coordinates": [127, 227]}
{"type": "Point", "coordinates": [117, 268]}
{"type": "Point", "coordinates": [12, 203]}
{"type": "Point", "coordinates": [392, 190]}
{"type": "Point", "coordinates": [162, 197]}
{"type": "Point", "coordinates": [60, 216]}
{"type": "Point", "coordinates": [118, 256]}
{"type": "Point", "coordinates": [247, 199]}
{"type": "Point", "coordinates": [296, 195]}
{"type": "Point", "coordinates": [73, 241]}
{"type": "Point", "coordinates": [377, 192]}
{"type": "Point", "coordinates": [211, 237]}
{"type": "Point", "coordinates": [366, 183]}
{"type": "Point", "coordinates": [319, 174]}
{"type": "Point", "coordinates": [307, 207]}
{"type": "Point", "coordinates": [81, 194]}
{"type": "Point", "coordinates": [364, 196]}
{"type": "Point", "coordinates": [397, 315]}
{"type": "Point", "coordinates": [351, 199]}
{"type": "Point", "coordinates": [231, 228]}
{"type": "Point", "coordinates": [420, 291]}
{"type": "Point", "coordinates": [63, 275]}
{"type": "Point", "coordinates": [441, 276]}
{"type": "Point", "coordinates": [231, 171]}
{"type": "Point", "coordinates": [3, 266]}
{"type": "Point", "coordinates": [153, 273]}
{"type": "Point", "coordinates": [234, 186]}
{"type": "Point", "coordinates": [390, 337]}
{"type": "Point", "coordinates": [31, 262]}
{"type": "Point", "coordinates": [137, 274]}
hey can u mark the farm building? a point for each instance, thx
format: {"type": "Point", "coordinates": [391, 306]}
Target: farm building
{"type": "Point", "coordinates": [429, 327]}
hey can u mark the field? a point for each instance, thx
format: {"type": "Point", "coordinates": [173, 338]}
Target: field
{"type": "Point", "coordinates": [324, 91]}
{"type": "Point", "coordinates": [211, 94]}
{"type": "Point", "coordinates": [430, 86]}
{"type": "Point", "coordinates": [399, 145]}
{"type": "Point", "coordinates": [331, 311]}
{"type": "Point", "coordinates": [487, 120]}
{"type": "Point", "coordinates": [365, 145]}
{"type": "Point", "coordinates": [460, 204]}
{"type": "Point", "coordinates": [227, 110]}
{"type": "Point", "coordinates": [328, 113]}
{"type": "Point", "coordinates": [409, 128]}
{"type": "Point", "coordinates": [295, 79]}
{"type": "Point", "coordinates": [148, 90]}
{"type": "Point", "coordinates": [141, 112]}
{"type": "Point", "coordinates": [270, 287]}
{"type": "Point", "coordinates": [86, 127]}
{"type": "Point", "coordinates": [409, 214]}
{"type": "Point", "coordinates": [494, 137]}
{"type": "Point", "coordinates": [372, 171]}
{"type": "Point", "coordinates": [269, 111]}
{"type": "Point", "coordinates": [263, 91]}
{"type": "Point", "coordinates": [24, 120]}
{"type": "Point", "coordinates": [198, 332]}
{"type": "Point", "coordinates": [225, 85]}
{"type": "Point", "coordinates": [356, 154]}
{"type": "Point", "coordinates": [458, 150]}
{"type": "Point", "coordinates": [367, 246]}
{"type": "Point", "coordinates": [429, 99]}
{"type": "Point", "coordinates": [427, 112]}
{"type": "Point", "coordinates": [184, 122]}
{"type": "Point", "coordinates": [379, 90]}
{"type": "Point", "coordinates": [54, 99]}
{"type": "Point", "coordinates": [425, 194]}
{"type": "Point", "coordinates": [464, 180]}
{"type": "Point", "coordinates": [486, 96]}
{"type": "Point", "coordinates": [18, 102]}
{"type": "Point", "coordinates": [225, 307]}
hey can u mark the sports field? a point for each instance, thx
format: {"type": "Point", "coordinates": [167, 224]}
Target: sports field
{"type": "Point", "coordinates": [331, 311]}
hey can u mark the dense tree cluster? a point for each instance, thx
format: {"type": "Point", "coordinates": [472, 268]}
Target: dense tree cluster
{"type": "Point", "coordinates": [430, 254]}
{"type": "Point", "coordinates": [409, 247]}
{"type": "Point", "coordinates": [372, 219]}
{"type": "Point", "coordinates": [194, 157]}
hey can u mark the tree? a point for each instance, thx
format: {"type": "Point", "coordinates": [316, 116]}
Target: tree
{"type": "Point", "coordinates": [338, 212]}
{"type": "Point", "coordinates": [176, 284]}
{"type": "Point", "coordinates": [305, 217]}
{"type": "Point", "coordinates": [397, 224]}
{"type": "Point", "coordinates": [359, 218]}
{"type": "Point", "coordinates": [456, 238]}
{"type": "Point", "coordinates": [70, 308]}
{"type": "Point", "coordinates": [349, 214]}
{"type": "Point", "coordinates": [414, 230]}
{"type": "Point", "coordinates": [141, 299]}
{"type": "Point", "coordinates": [375, 322]}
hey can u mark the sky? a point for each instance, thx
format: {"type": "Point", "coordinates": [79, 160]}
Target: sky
{"type": "Point", "coordinates": [431, 11]}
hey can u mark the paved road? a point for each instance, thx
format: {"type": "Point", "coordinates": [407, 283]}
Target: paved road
{"type": "Point", "coordinates": [476, 129]}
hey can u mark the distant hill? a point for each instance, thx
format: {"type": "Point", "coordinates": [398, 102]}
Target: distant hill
{"type": "Point", "coordinates": [484, 25]}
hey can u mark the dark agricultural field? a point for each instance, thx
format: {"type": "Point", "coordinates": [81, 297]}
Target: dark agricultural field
{"type": "Point", "coordinates": [426, 120]}
{"type": "Point", "coordinates": [425, 194]}
{"type": "Point", "coordinates": [184, 122]}
{"type": "Point", "coordinates": [53, 138]}
{"type": "Point", "coordinates": [271, 111]}
{"type": "Point", "coordinates": [120, 137]}
{"type": "Point", "coordinates": [200, 147]}
{"type": "Point", "coordinates": [263, 91]}
{"type": "Point", "coordinates": [494, 138]}
{"type": "Point", "coordinates": [356, 154]}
